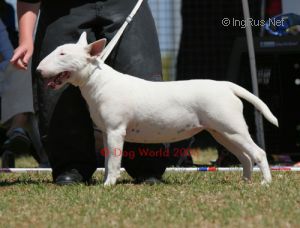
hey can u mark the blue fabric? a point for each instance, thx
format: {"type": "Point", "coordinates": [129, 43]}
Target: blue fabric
{"type": "Point", "coordinates": [29, 1]}
{"type": "Point", "coordinates": [6, 49]}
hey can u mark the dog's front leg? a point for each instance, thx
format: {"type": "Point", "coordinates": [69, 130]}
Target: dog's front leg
{"type": "Point", "coordinates": [114, 141]}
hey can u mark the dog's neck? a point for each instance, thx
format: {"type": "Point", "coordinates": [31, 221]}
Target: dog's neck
{"type": "Point", "coordinates": [98, 76]}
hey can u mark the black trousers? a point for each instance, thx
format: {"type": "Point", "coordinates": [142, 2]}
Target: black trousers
{"type": "Point", "coordinates": [64, 118]}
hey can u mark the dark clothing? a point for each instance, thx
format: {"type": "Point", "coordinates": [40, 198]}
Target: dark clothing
{"type": "Point", "coordinates": [7, 15]}
{"type": "Point", "coordinates": [64, 115]}
{"type": "Point", "coordinates": [137, 53]}
{"type": "Point", "coordinates": [29, 1]}
{"type": "Point", "coordinates": [206, 44]}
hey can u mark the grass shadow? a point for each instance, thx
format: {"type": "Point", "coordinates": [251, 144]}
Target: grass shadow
{"type": "Point", "coordinates": [7, 183]}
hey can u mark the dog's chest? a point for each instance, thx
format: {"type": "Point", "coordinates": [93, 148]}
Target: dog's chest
{"type": "Point", "coordinates": [97, 119]}
{"type": "Point", "coordinates": [94, 106]}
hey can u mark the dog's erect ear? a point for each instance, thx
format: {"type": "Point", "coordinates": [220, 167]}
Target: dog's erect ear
{"type": "Point", "coordinates": [82, 40]}
{"type": "Point", "coordinates": [95, 48]}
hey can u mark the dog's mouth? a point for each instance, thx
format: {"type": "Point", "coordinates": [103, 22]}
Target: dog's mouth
{"type": "Point", "coordinates": [58, 80]}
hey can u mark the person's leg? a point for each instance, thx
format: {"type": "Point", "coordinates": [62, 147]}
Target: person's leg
{"type": "Point", "coordinates": [70, 142]}
{"type": "Point", "coordinates": [17, 142]}
{"type": "Point", "coordinates": [65, 122]}
{"type": "Point", "coordinates": [142, 167]}
{"type": "Point", "coordinates": [137, 54]}
{"type": "Point", "coordinates": [23, 137]}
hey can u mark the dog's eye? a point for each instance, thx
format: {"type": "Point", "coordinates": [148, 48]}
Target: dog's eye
{"type": "Point", "coordinates": [62, 53]}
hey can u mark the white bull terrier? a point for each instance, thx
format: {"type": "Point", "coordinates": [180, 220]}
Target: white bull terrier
{"type": "Point", "coordinates": [127, 108]}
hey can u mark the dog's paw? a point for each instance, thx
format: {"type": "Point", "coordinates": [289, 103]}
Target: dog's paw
{"type": "Point", "coordinates": [266, 183]}
{"type": "Point", "coordinates": [110, 181]}
{"type": "Point", "coordinates": [246, 179]}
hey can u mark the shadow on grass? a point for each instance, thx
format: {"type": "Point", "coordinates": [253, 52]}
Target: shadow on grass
{"type": "Point", "coordinates": [94, 182]}
{"type": "Point", "coordinates": [6, 183]}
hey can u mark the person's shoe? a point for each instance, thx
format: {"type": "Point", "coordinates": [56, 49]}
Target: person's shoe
{"type": "Point", "coordinates": [8, 159]}
{"type": "Point", "coordinates": [152, 181]}
{"type": "Point", "coordinates": [149, 180]}
{"type": "Point", "coordinates": [18, 141]}
{"type": "Point", "coordinates": [44, 165]}
{"type": "Point", "coordinates": [69, 177]}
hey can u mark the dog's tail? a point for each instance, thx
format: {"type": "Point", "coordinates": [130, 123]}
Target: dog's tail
{"type": "Point", "coordinates": [258, 103]}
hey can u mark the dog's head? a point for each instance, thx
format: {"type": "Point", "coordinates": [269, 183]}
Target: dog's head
{"type": "Point", "coordinates": [67, 63]}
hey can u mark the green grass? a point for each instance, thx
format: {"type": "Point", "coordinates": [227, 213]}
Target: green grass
{"type": "Point", "coordinates": [184, 200]}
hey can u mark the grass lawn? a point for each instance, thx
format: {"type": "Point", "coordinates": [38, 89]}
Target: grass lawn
{"type": "Point", "coordinates": [184, 200]}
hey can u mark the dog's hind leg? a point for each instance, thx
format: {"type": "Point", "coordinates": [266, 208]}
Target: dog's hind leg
{"type": "Point", "coordinates": [241, 155]}
{"type": "Point", "coordinates": [230, 123]}
{"type": "Point", "coordinates": [245, 143]}
{"type": "Point", "coordinates": [115, 142]}
{"type": "Point", "coordinates": [263, 164]}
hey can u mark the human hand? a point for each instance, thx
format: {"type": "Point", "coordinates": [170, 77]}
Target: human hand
{"type": "Point", "coordinates": [22, 55]}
